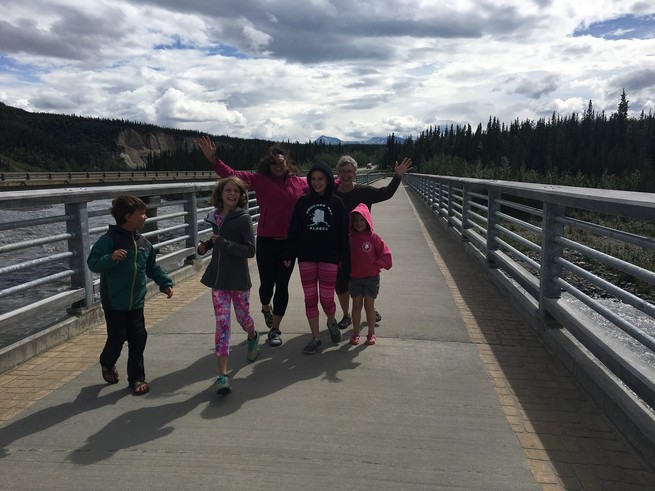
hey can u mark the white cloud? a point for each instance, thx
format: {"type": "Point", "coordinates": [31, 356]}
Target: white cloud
{"type": "Point", "coordinates": [291, 70]}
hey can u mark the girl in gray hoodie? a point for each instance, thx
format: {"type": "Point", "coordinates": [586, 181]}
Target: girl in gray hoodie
{"type": "Point", "coordinates": [228, 274]}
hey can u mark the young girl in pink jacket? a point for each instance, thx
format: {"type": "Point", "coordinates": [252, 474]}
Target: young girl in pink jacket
{"type": "Point", "coordinates": [368, 256]}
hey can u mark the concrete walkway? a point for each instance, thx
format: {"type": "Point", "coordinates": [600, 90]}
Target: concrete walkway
{"type": "Point", "coordinates": [457, 394]}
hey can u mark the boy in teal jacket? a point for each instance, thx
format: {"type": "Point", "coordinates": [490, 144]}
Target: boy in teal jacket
{"type": "Point", "coordinates": [125, 259]}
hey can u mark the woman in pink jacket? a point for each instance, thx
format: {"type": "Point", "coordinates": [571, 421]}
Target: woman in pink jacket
{"type": "Point", "coordinates": [278, 187]}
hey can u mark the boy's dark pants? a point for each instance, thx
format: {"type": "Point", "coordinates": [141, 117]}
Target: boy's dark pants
{"type": "Point", "coordinates": [130, 326]}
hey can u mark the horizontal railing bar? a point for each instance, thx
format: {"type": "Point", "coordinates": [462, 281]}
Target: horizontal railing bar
{"type": "Point", "coordinates": [619, 293]}
{"type": "Point", "coordinates": [169, 216]}
{"type": "Point", "coordinates": [159, 245]}
{"type": "Point", "coordinates": [528, 260]}
{"type": "Point", "coordinates": [56, 301]}
{"type": "Point", "coordinates": [519, 238]}
{"type": "Point", "coordinates": [32, 222]}
{"type": "Point", "coordinates": [41, 281]}
{"type": "Point", "coordinates": [626, 267]}
{"type": "Point", "coordinates": [519, 222]}
{"type": "Point", "coordinates": [34, 242]}
{"type": "Point", "coordinates": [609, 232]}
{"type": "Point", "coordinates": [34, 262]}
{"type": "Point", "coordinates": [618, 321]}
{"type": "Point", "coordinates": [518, 206]}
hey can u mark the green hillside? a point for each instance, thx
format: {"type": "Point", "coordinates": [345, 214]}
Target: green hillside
{"type": "Point", "coordinates": [56, 142]}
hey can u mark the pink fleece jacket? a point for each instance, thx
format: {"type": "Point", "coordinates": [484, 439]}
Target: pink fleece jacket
{"type": "Point", "coordinates": [276, 197]}
{"type": "Point", "coordinates": [368, 252]}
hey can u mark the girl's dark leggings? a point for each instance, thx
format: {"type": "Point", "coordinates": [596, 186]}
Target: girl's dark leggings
{"type": "Point", "coordinates": [274, 276]}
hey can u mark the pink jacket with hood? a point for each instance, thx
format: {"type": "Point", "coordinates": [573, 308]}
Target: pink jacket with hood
{"type": "Point", "coordinates": [368, 252]}
{"type": "Point", "coordinates": [276, 197]}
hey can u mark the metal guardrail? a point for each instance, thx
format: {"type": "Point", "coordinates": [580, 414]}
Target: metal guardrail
{"type": "Point", "coordinates": [70, 233]}
{"type": "Point", "coordinates": [23, 180]}
{"type": "Point", "coordinates": [534, 234]}
{"type": "Point", "coordinates": [34, 180]}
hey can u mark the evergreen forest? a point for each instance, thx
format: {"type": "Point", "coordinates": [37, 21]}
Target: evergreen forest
{"type": "Point", "coordinates": [589, 150]}
{"type": "Point", "coordinates": [593, 149]}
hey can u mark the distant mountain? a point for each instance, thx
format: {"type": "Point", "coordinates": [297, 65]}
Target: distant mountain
{"type": "Point", "coordinates": [328, 140]}
{"type": "Point", "coordinates": [382, 140]}
{"type": "Point", "coordinates": [376, 140]}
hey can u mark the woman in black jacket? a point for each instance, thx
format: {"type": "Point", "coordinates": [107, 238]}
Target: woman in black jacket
{"type": "Point", "coordinates": [318, 237]}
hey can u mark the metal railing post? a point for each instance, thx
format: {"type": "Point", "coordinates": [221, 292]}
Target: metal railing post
{"type": "Point", "coordinates": [466, 209]}
{"type": "Point", "coordinates": [80, 245]}
{"type": "Point", "coordinates": [550, 249]}
{"type": "Point", "coordinates": [191, 221]}
{"type": "Point", "coordinates": [493, 209]}
{"type": "Point", "coordinates": [450, 208]}
{"type": "Point", "coordinates": [431, 192]}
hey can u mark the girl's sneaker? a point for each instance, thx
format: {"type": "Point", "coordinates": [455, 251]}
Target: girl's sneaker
{"type": "Point", "coordinates": [335, 333]}
{"type": "Point", "coordinates": [313, 346]}
{"type": "Point", "coordinates": [371, 339]}
{"type": "Point", "coordinates": [274, 338]}
{"type": "Point", "coordinates": [354, 339]}
{"type": "Point", "coordinates": [253, 347]}
{"type": "Point", "coordinates": [223, 385]}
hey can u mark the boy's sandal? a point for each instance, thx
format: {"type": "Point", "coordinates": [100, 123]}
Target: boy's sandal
{"type": "Point", "coordinates": [354, 340]}
{"type": "Point", "coordinates": [371, 339]}
{"type": "Point", "coordinates": [139, 387]}
{"type": "Point", "coordinates": [110, 375]}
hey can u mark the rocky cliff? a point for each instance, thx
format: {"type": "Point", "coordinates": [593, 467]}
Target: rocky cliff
{"type": "Point", "coordinates": [136, 147]}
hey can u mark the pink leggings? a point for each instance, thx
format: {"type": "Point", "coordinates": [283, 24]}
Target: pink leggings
{"type": "Point", "coordinates": [325, 276]}
{"type": "Point", "coordinates": [222, 300]}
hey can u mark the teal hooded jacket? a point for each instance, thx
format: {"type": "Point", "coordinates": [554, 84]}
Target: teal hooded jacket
{"type": "Point", "coordinates": [123, 283]}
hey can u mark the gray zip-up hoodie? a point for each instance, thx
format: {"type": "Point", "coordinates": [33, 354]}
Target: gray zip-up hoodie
{"type": "Point", "coordinates": [228, 269]}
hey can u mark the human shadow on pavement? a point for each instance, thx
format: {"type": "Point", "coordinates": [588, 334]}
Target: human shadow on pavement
{"type": "Point", "coordinates": [151, 422]}
{"type": "Point", "coordinates": [274, 370]}
{"type": "Point", "coordinates": [88, 399]}
{"type": "Point", "coordinates": [278, 368]}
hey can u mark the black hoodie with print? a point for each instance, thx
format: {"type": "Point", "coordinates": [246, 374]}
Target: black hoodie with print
{"type": "Point", "coordinates": [318, 231]}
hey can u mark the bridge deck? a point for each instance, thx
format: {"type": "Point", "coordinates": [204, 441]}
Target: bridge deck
{"type": "Point", "coordinates": [458, 393]}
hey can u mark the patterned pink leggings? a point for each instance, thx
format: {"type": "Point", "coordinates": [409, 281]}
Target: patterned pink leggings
{"type": "Point", "coordinates": [222, 300]}
{"type": "Point", "coordinates": [325, 276]}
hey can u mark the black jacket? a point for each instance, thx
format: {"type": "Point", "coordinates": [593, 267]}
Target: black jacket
{"type": "Point", "coordinates": [318, 231]}
{"type": "Point", "coordinates": [363, 193]}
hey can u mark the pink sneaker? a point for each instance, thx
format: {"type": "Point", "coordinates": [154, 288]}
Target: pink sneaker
{"type": "Point", "coordinates": [371, 339]}
{"type": "Point", "coordinates": [354, 340]}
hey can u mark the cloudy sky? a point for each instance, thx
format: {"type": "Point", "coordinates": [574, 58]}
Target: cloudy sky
{"type": "Point", "coordinates": [352, 69]}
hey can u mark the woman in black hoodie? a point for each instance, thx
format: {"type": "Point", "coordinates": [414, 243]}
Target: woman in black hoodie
{"type": "Point", "coordinates": [318, 237]}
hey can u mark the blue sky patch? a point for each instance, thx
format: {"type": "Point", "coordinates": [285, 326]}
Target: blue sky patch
{"type": "Point", "coordinates": [219, 49]}
{"type": "Point", "coordinates": [25, 73]}
{"type": "Point", "coordinates": [176, 44]}
{"type": "Point", "coordinates": [626, 27]}
{"type": "Point", "coordinates": [229, 51]}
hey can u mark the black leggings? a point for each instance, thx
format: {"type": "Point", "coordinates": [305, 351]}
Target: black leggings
{"type": "Point", "coordinates": [274, 276]}
{"type": "Point", "coordinates": [130, 326]}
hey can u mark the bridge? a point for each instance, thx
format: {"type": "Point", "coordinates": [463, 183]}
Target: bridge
{"type": "Point", "coordinates": [471, 385]}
